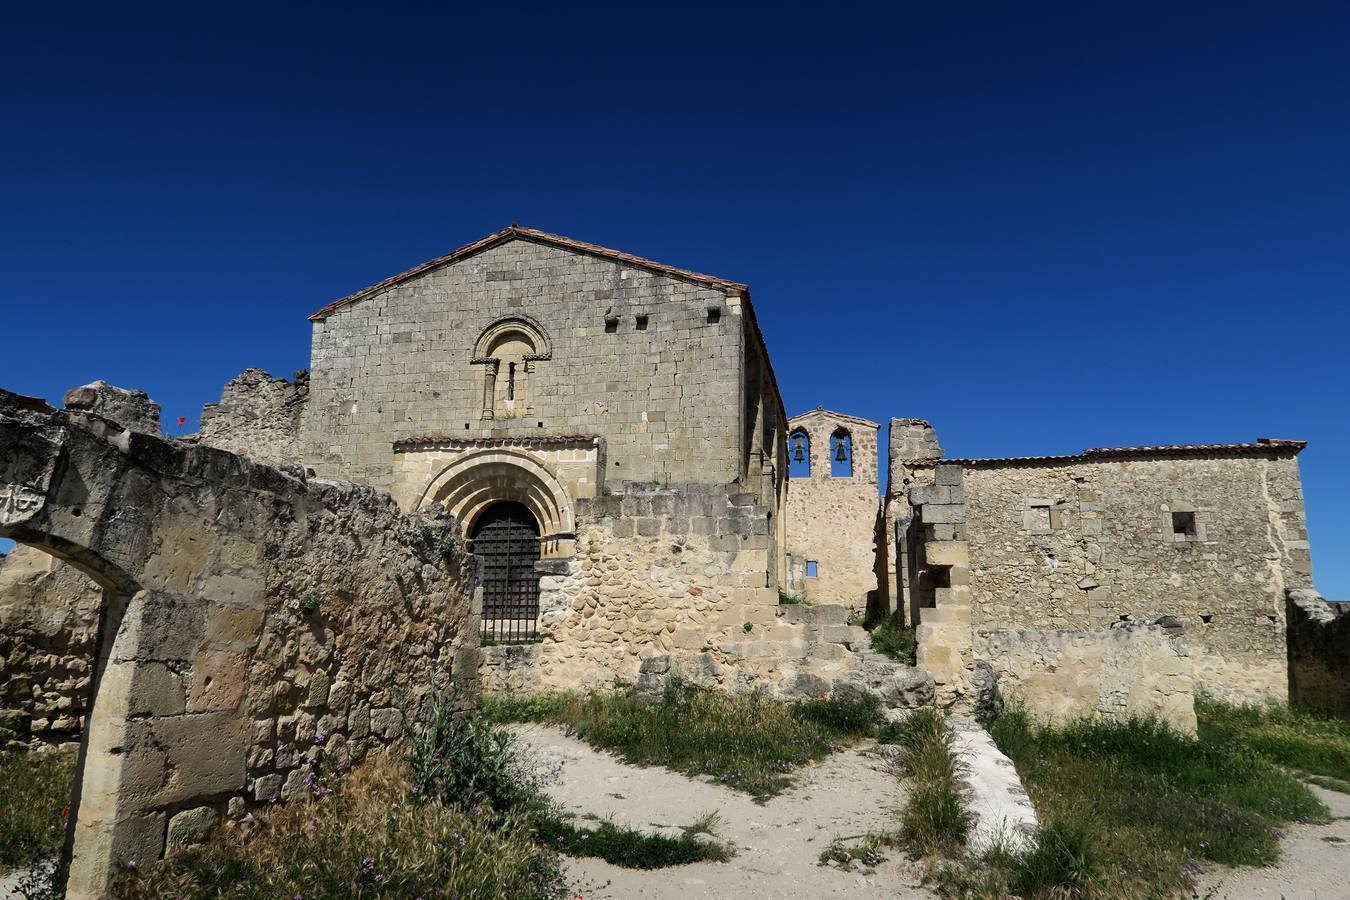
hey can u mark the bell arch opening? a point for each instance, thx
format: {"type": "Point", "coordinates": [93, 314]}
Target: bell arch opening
{"type": "Point", "coordinates": [96, 594]}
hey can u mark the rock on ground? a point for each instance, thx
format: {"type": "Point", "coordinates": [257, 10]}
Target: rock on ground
{"type": "Point", "coordinates": [777, 844]}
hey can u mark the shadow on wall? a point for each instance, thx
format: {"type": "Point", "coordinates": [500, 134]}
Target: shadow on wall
{"type": "Point", "coordinates": [1319, 653]}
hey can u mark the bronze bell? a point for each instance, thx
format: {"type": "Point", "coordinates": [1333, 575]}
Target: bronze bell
{"type": "Point", "coordinates": [839, 451]}
{"type": "Point", "coordinates": [797, 454]}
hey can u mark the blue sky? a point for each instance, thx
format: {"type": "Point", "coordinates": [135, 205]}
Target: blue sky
{"type": "Point", "coordinates": [1101, 224]}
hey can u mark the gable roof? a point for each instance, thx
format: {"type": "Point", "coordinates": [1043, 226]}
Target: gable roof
{"type": "Point", "coordinates": [517, 232]}
{"type": "Point", "coordinates": [831, 414]}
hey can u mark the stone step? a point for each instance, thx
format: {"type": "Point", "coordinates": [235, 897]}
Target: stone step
{"type": "Point", "coordinates": [936, 615]}
{"type": "Point", "coordinates": [821, 614]}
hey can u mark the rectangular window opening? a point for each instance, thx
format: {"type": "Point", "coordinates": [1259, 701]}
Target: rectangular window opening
{"type": "Point", "coordinates": [1183, 524]}
{"type": "Point", "coordinates": [611, 325]}
{"type": "Point", "coordinates": [812, 570]}
{"type": "Point", "coordinates": [714, 316]}
{"type": "Point", "coordinates": [1040, 518]}
{"type": "Point", "coordinates": [641, 323]}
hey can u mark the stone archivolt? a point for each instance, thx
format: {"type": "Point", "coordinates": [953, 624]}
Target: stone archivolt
{"type": "Point", "coordinates": [481, 478]}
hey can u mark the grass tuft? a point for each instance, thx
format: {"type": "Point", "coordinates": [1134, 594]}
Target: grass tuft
{"type": "Point", "coordinates": [34, 803]}
{"type": "Point", "coordinates": [895, 641]}
{"type": "Point", "coordinates": [366, 835]}
{"type": "Point", "coordinates": [1135, 809]}
{"type": "Point", "coordinates": [748, 742]}
{"type": "Point", "coordinates": [934, 820]}
{"type": "Point", "coordinates": [1310, 742]}
{"type": "Point", "coordinates": [628, 847]}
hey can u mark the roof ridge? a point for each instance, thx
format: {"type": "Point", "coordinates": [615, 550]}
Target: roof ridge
{"type": "Point", "coordinates": [1261, 445]}
{"type": "Point", "coordinates": [839, 415]}
{"type": "Point", "coordinates": [512, 232]}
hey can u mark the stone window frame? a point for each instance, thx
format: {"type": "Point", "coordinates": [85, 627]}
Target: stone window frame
{"type": "Point", "coordinates": [533, 333]}
{"type": "Point", "coordinates": [1031, 521]}
{"type": "Point", "coordinates": [1169, 536]}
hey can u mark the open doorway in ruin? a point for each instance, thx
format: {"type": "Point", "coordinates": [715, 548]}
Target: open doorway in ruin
{"type": "Point", "coordinates": [60, 611]}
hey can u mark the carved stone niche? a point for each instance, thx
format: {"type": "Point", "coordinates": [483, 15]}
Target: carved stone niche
{"type": "Point", "coordinates": [510, 349]}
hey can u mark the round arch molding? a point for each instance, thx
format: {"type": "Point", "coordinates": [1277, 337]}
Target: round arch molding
{"type": "Point", "coordinates": [477, 480]}
{"type": "Point", "coordinates": [528, 329]}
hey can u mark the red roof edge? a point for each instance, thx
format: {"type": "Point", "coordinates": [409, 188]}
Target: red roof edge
{"type": "Point", "coordinates": [514, 232]}
{"type": "Point", "coordinates": [1261, 446]}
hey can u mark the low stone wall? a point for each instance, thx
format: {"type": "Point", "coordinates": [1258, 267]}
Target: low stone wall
{"type": "Point", "coordinates": [1319, 652]}
{"type": "Point", "coordinates": [48, 625]}
{"type": "Point", "coordinates": [1122, 671]}
{"type": "Point", "coordinates": [792, 652]}
{"type": "Point", "coordinates": [678, 576]}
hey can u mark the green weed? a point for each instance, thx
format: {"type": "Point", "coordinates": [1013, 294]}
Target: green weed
{"type": "Point", "coordinates": [1135, 809]}
{"type": "Point", "coordinates": [748, 742]}
{"type": "Point", "coordinates": [896, 641]}
{"type": "Point", "coordinates": [628, 847]}
{"type": "Point", "coordinates": [934, 820]}
{"type": "Point", "coordinates": [34, 803]}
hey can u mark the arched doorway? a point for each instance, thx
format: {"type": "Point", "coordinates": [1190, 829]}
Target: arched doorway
{"type": "Point", "coordinates": [506, 541]}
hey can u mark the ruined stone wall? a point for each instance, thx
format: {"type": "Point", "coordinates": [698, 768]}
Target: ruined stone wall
{"type": "Point", "coordinates": [49, 610]}
{"type": "Point", "coordinates": [667, 397]}
{"type": "Point", "coordinates": [1122, 671]}
{"type": "Point", "coordinates": [253, 618]}
{"type": "Point", "coordinates": [1319, 653]}
{"type": "Point", "coordinates": [832, 521]}
{"type": "Point", "coordinates": [48, 625]}
{"type": "Point", "coordinates": [1084, 543]}
{"type": "Point", "coordinates": [674, 582]}
{"type": "Point", "coordinates": [258, 416]}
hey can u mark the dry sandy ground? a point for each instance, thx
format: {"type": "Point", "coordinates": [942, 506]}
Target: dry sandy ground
{"type": "Point", "coordinates": [777, 844]}
{"type": "Point", "coordinates": [8, 882]}
{"type": "Point", "coordinates": [1310, 867]}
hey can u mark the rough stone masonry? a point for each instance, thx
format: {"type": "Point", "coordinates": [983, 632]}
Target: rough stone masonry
{"type": "Point", "coordinates": [603, 437]}
{"type": "Point", "coordinates": [251, 620]}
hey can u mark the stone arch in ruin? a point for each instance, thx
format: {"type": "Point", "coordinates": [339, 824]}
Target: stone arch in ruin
{"type": "Point", "coordinates": [141, 518]}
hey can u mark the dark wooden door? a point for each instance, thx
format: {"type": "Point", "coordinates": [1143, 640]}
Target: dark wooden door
{"type": "Point", "coordinates": [506, 540]}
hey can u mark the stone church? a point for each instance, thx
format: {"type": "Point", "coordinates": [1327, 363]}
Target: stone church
{"type": "Point", "coordinates": [609, 434]}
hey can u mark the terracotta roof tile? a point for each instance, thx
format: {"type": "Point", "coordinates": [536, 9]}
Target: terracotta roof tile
{"type": "Point", "coordinates": [1259, 447]}
{"type": "Point", "coordinates": [542, 440]}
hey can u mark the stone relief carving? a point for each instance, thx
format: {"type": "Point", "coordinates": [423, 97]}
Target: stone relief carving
{"type": "Point", "coordinates": [19, 503]}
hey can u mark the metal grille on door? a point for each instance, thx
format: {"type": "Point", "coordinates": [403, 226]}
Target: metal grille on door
{"type": "Point", "coordinates": [506, 540]}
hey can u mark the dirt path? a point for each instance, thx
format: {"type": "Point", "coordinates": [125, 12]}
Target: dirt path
{"type": "Point", "coordinates": [1310, 868]}
{"type": "Point", "coordinates": [9, 883]}
{"type": "Point", "coordinates": [777, 844]}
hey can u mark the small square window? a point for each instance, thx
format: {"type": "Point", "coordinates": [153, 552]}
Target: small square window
{"type": "Point", "coordinates": [1183, 525]}
{"type": "Point", "coordinates": [714, 315]}
{"type": "Point", "coordinates": [611, 325]}
{"type": "Point", "coordinates": [641, 323]}
{"type": "Point", "coordinates": [811, 568]}
{"type": "Point", "coordinates": [1039, 515]}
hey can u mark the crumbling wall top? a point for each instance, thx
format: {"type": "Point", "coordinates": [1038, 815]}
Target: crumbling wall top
{"type": "Point", "coordinates": [129, 408]}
